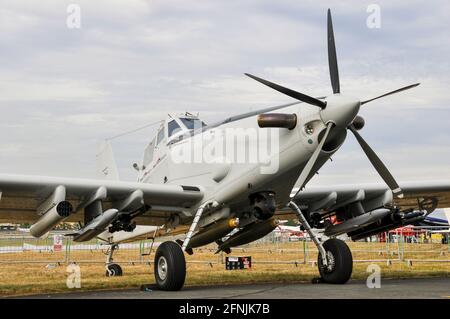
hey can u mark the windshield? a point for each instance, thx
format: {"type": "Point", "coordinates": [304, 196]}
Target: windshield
{"type": "Point", "coordinates": [173, 128]}
{"type": "Point", "coordinates": [191, 123]}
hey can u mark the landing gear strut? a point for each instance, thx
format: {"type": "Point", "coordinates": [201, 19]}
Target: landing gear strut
{"type": "Point", "coordinates": [335, 259]}
{"type": "Point", "coordinates": [112, 269]}
{"type": "Point", "coordinates": [170, 264]}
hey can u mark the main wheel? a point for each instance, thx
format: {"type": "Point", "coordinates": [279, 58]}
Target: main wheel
{"type": "Point", "coordinates": [113, 270]}
{"type": "Point", "coordinates": [340, 262]}
{"type": "Point", "coordinates": [170, 266]}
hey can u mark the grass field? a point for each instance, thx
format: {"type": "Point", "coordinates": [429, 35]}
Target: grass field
{"type": "Point", "coordinates": [205, 268]}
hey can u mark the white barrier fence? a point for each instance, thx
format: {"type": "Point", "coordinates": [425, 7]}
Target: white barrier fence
{"type": "Point", "coordinates": [411, 246]}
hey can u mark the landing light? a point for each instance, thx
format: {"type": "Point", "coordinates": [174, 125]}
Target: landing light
{"type": "Point", "coordinates": [309, 129]}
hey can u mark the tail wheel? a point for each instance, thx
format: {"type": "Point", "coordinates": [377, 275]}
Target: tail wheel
{"type": "Point", "coordinates": [340, 262]}
{"type": "Point", "coordinates": [113, 270]}
{"type": "Point", "coordinates": [170, 266]}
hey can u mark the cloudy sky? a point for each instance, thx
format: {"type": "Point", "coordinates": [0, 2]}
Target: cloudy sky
{"type": "Point", "coordinates": [64, 90]}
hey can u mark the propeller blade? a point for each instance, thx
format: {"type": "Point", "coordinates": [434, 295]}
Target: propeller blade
{"type": "Point", "coordinates": [294, 94]}
{"type": "Point", "coordinates": [378, 164]}
{"type": "Point", "coordinates": [393, 92]}
{"type": "Point", "coordinates": [332, 57]}
{"type": "Point", "coordinates": [312, 160]}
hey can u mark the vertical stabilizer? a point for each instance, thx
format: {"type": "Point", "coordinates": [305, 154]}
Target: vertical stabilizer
{"type": "Point", "coordinates": [106, 164]}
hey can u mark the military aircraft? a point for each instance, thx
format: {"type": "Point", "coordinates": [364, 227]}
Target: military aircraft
{"type": "Point", "coordinates": [229, 182]}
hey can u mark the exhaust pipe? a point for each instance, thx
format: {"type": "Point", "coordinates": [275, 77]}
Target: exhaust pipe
{"type": "Point", "coordinates": [280, 120]}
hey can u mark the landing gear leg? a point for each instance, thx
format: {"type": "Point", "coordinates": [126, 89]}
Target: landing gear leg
{"type": "Point", "coordinates": [170, 264]}
{"type": "Point", "coordinates": [112, 269]}
{"type": "Point", "coordinates": [335, 259]}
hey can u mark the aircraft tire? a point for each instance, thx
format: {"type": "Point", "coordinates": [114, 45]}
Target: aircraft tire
{"type": "Point", "coordinates": [170, 266]}
{"type": "Point", "coordinates": [340, 259]}
{"type": "Point", "coordinates": [113, 270]}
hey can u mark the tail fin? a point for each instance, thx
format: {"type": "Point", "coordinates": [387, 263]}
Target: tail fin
{"type": "Point", "coordinates": [106, 164]}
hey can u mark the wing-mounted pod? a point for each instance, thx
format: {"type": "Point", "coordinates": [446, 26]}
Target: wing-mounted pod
{"type": "Point", "coordinates": [53, 211]}
{"type": "Point", "coordinates": [361, 216]}
{"type": "Point", "coordinates": [120, 216]}
{"type": "Point", "coordinates": [130, 207]}
{"type": "Point", "coordinates": [395, 219]}
{"type": "Point", "coordinates": [131, 203]}
{"type": "Point", "coordinates": [248, 234]}
{"type": "Point", "coordinates": [211, 233]}
{"type": "Point", "coordinates": [96, 226]}
{"type": "Point", "coordinates": [92, 205]}
{"type": "Point", "coordinates": [95, 220]}
{"type": "Point", "coordinates": [356, 222]}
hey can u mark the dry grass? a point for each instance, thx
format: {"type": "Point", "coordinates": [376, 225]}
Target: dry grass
{"type": "Point", "coordinates": [26, 278]}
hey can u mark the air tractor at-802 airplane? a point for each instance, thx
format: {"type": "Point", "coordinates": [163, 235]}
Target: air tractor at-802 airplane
{"type": "Point", "coordinates": [227, 183]}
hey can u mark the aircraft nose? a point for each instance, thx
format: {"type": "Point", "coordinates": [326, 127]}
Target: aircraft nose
{"type": "Point", "coordinates": [340, 111]}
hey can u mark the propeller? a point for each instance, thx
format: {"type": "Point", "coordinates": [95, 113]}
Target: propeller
{"type": "Point", "coordinates": [332, 57]}
{"type": "Point", "coordinates": [312, 160]}
{"type": "Point", "coordinates": [340, 112]}
{"type": "Point", "coordinates": [392, 92]}
{"type": "Point", "coordinates": [377, 163]}
{"type": "Point", "coordinates": [294, 94]}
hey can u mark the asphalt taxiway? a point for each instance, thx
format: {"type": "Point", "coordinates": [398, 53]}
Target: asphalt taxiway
{"type": "Point", "coordinates": [390, 289]}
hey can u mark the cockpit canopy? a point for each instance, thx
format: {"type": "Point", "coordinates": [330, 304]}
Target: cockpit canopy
{"type": "Point", "coordinates": [174, 127]}
{"type": "Point", "coordinates": [183, 124]}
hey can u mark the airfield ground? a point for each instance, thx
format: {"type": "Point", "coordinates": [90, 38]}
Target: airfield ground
{"type": "Point", "coordinates": [411, 288]}
{"type": "Point", "coordinates": [38, 278]}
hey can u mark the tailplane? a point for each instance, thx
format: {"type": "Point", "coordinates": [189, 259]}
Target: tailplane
{"type": "Point", "coordinates": [106, 164]}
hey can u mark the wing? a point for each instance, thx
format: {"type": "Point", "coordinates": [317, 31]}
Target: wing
{"type": "Point", "coordinates": [370, 195]}
{"type": "Point", "coordinates": [368, 209]}
{"type": "Point", "coordinates": [22, 197]}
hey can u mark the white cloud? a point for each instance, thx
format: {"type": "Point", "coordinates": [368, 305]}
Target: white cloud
{"type": "Point", "coordinates": [22, 88]}
{"type": "Point", "coordinates": [10, 149]}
